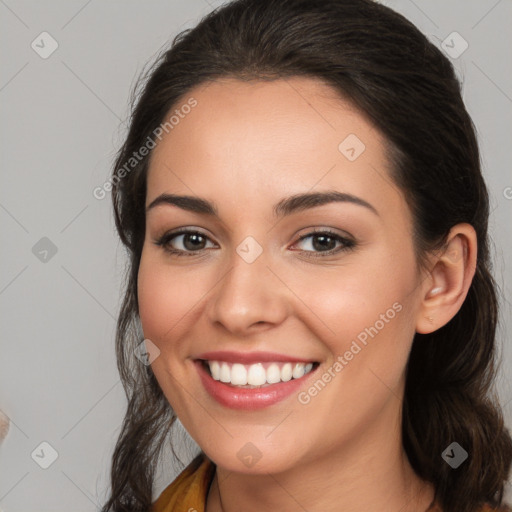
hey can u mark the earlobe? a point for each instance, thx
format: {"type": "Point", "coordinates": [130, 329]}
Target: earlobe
{"type": "Point", "coordinates": [450, 278]}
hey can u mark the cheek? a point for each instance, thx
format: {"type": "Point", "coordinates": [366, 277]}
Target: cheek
{"type": "Point", "coordinates": [162, 299]}
{"type": "Point", "coordinates": [170, 300]}
{"type": "Point", "coordinates": [348, 299]}
{"type": "Point", "coordinates": [154, 299]}
{"type": "Point", "coordinates": [367, 317]}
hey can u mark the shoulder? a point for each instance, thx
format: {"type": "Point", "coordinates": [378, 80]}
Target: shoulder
{"type": "Point", "coordinates": [189, 489]}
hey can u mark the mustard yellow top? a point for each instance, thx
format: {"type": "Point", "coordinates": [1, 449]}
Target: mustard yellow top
{"type": "Point", "coordinates": [188, 492]}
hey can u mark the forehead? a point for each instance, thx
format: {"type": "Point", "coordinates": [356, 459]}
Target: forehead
{"type": "Point", "coordinates": [254, 142]}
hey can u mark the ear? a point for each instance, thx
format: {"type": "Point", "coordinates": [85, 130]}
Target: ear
{"type": "Point", "coordinates": [448, 282]}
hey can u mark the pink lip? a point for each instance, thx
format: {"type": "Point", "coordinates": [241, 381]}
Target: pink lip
{"type": "Point", "coordinates": [248, 399]}
{"type": "Point", "coordinates": [250, 357]}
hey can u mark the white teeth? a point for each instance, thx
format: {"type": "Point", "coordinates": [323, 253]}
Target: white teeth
{"type": "Point", "coordinates": [255, 374]}
{"type": "Point", "coordinates": [238, 375]}
{"type": "Point", "coordinates": [215, 369]}
{"type": "Point", "coordinates": [298, 371]}
{"type": "Point", "coordinates": [273, 374]}
{"type": "Point", "coordinates": [286, 372]}
{"type": "Point", "coordinates": [225, 373]}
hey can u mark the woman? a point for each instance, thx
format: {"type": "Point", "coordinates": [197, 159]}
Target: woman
{"type": "Point", "coordinates": [301, 197]}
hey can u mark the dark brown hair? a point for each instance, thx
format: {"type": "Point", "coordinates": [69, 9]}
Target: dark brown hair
{"type": "Point", "coordinates": [389, 70]}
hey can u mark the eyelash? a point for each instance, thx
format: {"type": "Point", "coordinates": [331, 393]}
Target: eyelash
{"type": "Point", "coordinates": [348, 244]}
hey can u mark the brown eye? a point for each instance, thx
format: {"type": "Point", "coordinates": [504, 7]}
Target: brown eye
{"type": "Point", "coordinates": [189, 242]}
{"type": "Point", "coordinates": [323, 243]}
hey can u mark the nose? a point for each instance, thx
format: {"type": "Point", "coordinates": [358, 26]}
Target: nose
{"type": "Point", "coordinates": [249, 297]}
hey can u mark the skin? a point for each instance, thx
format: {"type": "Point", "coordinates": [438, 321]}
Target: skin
{"type": "Point", "coordinates": [245, 146]}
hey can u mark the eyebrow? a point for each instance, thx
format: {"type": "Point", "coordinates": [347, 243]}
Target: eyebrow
{"type": "Point", "coordinates": [286, 206]}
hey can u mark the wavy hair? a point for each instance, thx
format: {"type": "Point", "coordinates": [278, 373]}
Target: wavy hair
{"type": "Point", "coordinates": [380, 62]}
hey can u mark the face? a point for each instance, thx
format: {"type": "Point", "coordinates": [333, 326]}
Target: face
{"type": "Point", "coordinates": [331, 283]}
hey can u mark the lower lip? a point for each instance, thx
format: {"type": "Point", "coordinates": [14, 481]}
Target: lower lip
{"type": "Point", "coordinates": [245, 398]}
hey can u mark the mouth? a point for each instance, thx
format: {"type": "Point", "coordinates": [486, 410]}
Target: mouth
{"type": "Point", "coordinates": [256, 375]}
{"type": "Point", "coordinates": [255, 385]}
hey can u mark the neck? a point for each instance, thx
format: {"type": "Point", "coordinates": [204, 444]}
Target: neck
{"type": "Point", "coordinates": [370, 473]}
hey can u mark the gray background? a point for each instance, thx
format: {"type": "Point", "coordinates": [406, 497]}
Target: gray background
{"type": "Point", "coordinates": [62, 119]}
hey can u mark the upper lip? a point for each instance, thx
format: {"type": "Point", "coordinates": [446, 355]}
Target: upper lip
{"type": "Point", "coordinates": [250, 357]}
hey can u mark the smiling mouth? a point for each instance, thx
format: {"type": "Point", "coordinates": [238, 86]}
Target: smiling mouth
{"type": "Point", "coordinates": [257, 375]}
